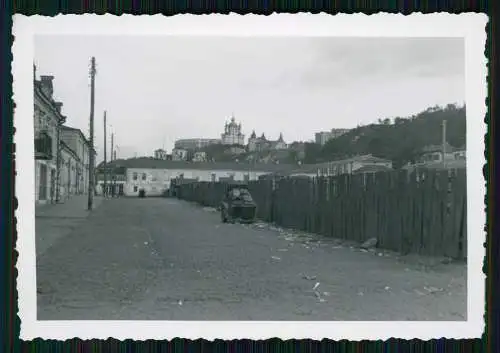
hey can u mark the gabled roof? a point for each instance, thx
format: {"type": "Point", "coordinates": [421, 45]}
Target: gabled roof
{"type": "Point", "coordinates": [75, 130]}
{"type": "Point", "coordinates": [372, 169]}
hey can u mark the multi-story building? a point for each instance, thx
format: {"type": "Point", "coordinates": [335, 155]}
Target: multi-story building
{"type": "Point", "coordinates": [179, 154]}
{"type": "Point", "coordinates": [199, 156]}
{"type": "Point", "coordinates": [68, 177]}
{"type": "Point", "coordinates": [232, 134]}
{"type": "Point", "coordinates": [75, 140]}
{"type": "Point", "coordinates": [324, 136]}
{"type": "Point", "coordinates": [195, 143]}
{"type": "Point", "coordinates": [160, 154]}
{"type": "Point", "coordinates": [48, 120]}
{"type": "Point", "coordinates": [262, 143]}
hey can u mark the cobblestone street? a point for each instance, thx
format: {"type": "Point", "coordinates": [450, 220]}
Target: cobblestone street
{"type": "Point", "coordinates": [165, 259]}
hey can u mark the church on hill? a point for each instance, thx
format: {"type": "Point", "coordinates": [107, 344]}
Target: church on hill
{"type": "Point", "coordinates": [232, 134]}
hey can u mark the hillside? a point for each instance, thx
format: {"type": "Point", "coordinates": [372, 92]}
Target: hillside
{"type": "Point", "coordinates": [399, 140]}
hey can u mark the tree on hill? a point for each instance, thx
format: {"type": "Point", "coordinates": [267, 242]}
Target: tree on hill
{"type": "Point", "coordinates": [400, 141]}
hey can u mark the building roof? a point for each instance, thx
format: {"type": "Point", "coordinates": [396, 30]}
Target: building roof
{"type": "Point", "coordinates": [368, 158]}
{"type": "Point", "coordinates": [73, 129]}
{"type": "Point", "coordinates": [68, 149]}
{"type": "Point", "coordinates": [150, 163]}
{"type": "Point", "coordinates": [438, 148]}
{"type": "Point", "coordinates": [48, 100]}
{"type": "Point", "coordinates": [371, 169]}
{"type": "Point", "coordinates": [453, 164]}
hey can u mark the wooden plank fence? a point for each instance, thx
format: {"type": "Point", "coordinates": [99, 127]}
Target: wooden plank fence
{"type": "Point", "coordinates": [422, 212]}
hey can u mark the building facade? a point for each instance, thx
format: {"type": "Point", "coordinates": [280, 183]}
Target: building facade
{"type": "Point", "coordinates": [155, 177]}
{"type": "Point", "coordinates": [47, 126]}
{"type": "Point", "coordinates": [324, 136]}
{"type": "Point", "coordinates": [199, 156]}
{"type": "Point", "coordinates": [258, 144]}
{"type": "Point", "coordinates": [75, 140]}
{"type": "Point", "coordinates": [68, 177]}
{"type": "Point", "coordinates": [160, 154]}
{"type": "Point", "coordinates": [232, 134]}
{"type": "Point", "coordinates": [195, 143]}
{"type": "Point", "coordinates": [179, 154]}
{"type": "Point", "coordinates": [433, 157]}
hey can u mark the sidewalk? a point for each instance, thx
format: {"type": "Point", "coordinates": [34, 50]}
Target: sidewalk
{"type": "Point", "coordinates": [55, 221]}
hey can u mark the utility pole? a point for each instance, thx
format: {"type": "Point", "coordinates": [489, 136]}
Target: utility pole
{"type": "Point", "coordinates": [112, 137]}
{"type": "Point", "coordinates": [91, 137]}
{"type": "Point", "coordinates": [105, 182]}
{"type": "Point", "coordinates": [444, 143]}
{"type": "Point", "coordinates": [112, 174]}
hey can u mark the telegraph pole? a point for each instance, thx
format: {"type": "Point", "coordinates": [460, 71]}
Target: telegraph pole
{"type": "Point", "coordinates": [91, 137]}
{"type": "Point", "coordinates": [444, 143]}
{"type": "Point", "coordinates": [105, 182]}
{"type": "Point", "coordinates": [112, 174]}
{"type": "Point", "coordinates": [112, 137]}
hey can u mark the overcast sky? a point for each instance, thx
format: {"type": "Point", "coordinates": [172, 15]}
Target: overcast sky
{"type": "Point", "coordinates": [157, 89]}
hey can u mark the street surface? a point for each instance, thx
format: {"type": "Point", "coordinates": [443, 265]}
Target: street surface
{"type": "Point", "coordinates": [166, 259]}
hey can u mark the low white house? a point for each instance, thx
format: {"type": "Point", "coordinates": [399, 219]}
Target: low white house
{"type": "Point", "coordinates": [155, 176]}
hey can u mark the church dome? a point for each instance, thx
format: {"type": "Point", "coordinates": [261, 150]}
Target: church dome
{"type": "Point", "coordinates": [233, 122]}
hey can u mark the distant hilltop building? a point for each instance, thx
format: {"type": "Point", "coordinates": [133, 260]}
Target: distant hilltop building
{"type": "Point", "coordinates": [324, 136]}
{"type": "Point", "coordinates": [195, 143]}
{"type": "Point", "coordinates": [160, 154]}
{"type": "Point", "coordinates": [262, 143]}
{"type": "Point", "coordinates": [179, 154]}
{"type": "Point", "coordinates": [232, 134]}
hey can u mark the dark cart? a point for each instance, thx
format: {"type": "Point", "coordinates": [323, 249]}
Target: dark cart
{"type": "Point", "coordinates": [238, 205]}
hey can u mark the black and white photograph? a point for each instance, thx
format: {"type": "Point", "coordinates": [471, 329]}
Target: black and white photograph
{"type": "Point", "coordinates": [251, 178]}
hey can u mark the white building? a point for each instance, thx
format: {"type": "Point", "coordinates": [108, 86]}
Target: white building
{"type": "Point", "coordinates": [47, 122]}
{"type": "Point", "coordinates": [324, 136]}
{"type": "Point", "coordinates": [179, 154]}
{"type": "Point", "coordinates": [195, 143]}
{"type": "Point", "coordinates": [154, 177]}
{"type": "Point", "coordinates": [432, 157]}
{"type": "Point", "coordinates": [199, 156]}
{"type": "Point", "coordinates": [160, 154]}
{"type": "Point", "coordinates": [262, 143]}
{"type": "Point", "coordinates": [232, 134]}
{"type": "Point", "coordinates": [75, 140]}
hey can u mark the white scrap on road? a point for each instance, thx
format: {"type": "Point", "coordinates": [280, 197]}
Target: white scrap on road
{"type": "Point", "coordinates": [309, 278]}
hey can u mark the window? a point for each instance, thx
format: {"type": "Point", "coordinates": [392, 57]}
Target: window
{"type": "Point", "coordinates": [135, 188]}
{"type": "Point", "coordinates": [143, 176]}
{"type": "Point", "coordinates": [134, 176]}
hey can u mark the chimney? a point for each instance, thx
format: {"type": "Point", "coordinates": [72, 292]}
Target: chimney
{"type": "Point", "coordinates": [47, 86]}
{"type": "Point", "coordinates": [58, 106]}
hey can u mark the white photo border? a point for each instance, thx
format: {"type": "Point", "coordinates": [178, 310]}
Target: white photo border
{"type": "Point", "coordinates": [470, 26]}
